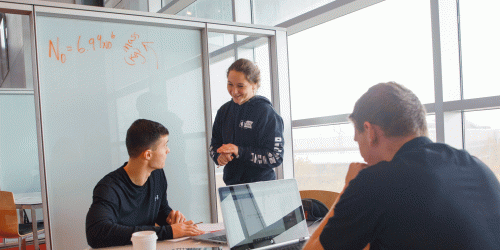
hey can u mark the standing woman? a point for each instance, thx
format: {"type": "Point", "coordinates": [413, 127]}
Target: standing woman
{"type": "Point", "coordinates": [247, 135]}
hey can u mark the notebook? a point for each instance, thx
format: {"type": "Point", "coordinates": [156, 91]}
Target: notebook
{"type": "Point", "coordinates": [262, 215]}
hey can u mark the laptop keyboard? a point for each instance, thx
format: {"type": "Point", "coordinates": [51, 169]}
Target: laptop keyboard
{"type": "Point", "coordinates": [219, 238]}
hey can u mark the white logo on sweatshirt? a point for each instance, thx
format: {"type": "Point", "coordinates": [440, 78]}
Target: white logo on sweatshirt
{"type": "Point", "coordinates": [246, 124]}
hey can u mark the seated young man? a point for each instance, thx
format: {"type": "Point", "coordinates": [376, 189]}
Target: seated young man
{"type": "Point", "coordinates": [134, 197]}
{"type": "Point", "coordinates": [411, 193]}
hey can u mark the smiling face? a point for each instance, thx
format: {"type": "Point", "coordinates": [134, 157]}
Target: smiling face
{"type": "Point", "coordinates": [159, 153]}
{"type": "Point", "coordinates": [240, 89]}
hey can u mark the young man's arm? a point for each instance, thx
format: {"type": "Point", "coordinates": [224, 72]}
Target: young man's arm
{"type": "Point", "coordinates": [102, 227]}
{"type": "Point", "coordinates": [314, 242]}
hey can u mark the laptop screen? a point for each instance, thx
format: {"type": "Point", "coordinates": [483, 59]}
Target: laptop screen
{"type": "Point", "coordinates": [262, 213]}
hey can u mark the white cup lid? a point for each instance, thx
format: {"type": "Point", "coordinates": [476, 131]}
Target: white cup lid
{"type": "Point", "coordinates": [144, 235]}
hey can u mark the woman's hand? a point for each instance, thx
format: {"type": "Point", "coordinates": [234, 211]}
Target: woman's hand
{"type": "Point", "coordinates": [223, 159]}
{"type": "Point", "coordinates": [228, 149]}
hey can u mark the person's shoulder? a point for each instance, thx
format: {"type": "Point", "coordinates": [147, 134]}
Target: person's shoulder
{"type": "Point", "coordinates": [377, 171]}
{"type": "Point", "coordinates": [260, 101]}
{"type": "Point", "coordinates": [262, 105]}
{"type": "Point", "coordinates": [159, 177]}
{"type": "Point", "coordinates": [222, 111]}
{"type": "Point", "coordinates": [112, 179]}
{"type": "Point", "coordinates": [158, 173]}
{"type": "Point", "coordinates": [447, 153]}
{"type": "Point", "coordinates": [225, 106]}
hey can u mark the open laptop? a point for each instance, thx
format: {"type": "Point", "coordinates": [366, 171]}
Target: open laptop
{"type": "Point", "coordinates": [261, 215]}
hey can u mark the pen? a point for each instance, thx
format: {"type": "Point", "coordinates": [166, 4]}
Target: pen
{"type": "Point", "coordinates": [198, 223]}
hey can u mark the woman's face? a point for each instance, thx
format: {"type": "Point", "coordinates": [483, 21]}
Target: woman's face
{"type": "Point", "coordinates": [240, 89]}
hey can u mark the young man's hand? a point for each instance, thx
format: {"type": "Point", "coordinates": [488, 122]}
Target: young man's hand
{"type": "Point", "coordinates": [175, 217]}
{"type": "Point", "coordinates": [354, 169]}
{"type": "Point", "coordinates": [186, 228]}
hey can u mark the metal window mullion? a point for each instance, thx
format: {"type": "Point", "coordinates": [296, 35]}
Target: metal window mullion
{"type": "Point", "coordinates": [233, 4]}
{"type": "Point", "coordinates": [205, 55]}
{"type": "Point", "coordinates": [438, 74]}
{"type": "Point", "coordinates": [280, 87]}
{"type": "Point", "coordinates": [252, 12]}
{"type": "Point", "coordinates": [460, 70]}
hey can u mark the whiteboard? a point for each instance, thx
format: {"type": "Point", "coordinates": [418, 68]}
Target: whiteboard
{"type": "Point", "coordinates": [95, 79]}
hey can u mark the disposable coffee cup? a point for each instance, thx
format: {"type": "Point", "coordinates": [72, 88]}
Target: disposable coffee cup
{"type": "Point", "coordinates": [144, 240]}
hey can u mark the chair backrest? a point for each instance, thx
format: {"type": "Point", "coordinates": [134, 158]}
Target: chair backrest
{"type": "Point", "coordinates": [9, 225]}
{"type": "Point", "coordinates": [327, 197]}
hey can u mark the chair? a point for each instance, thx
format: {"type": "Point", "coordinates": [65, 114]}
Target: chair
{"type": "Point", "coordinates": [327, 197]}
{"type": "Point", "coordinates": [9, 224]}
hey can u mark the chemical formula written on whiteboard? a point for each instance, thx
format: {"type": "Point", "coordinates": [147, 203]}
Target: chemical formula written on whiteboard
{"type": "Point", "coordinates": [135, 51]}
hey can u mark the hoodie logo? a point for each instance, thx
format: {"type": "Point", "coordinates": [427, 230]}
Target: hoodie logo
{"type": "Point", "coordinates": [246, 124]}
{"type": "Point", "coordinates": [157, 198]}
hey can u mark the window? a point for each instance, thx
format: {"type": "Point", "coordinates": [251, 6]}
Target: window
{"type": "Point", "coordinates": [322, 155]}
{"type": "Point", "coordinates": [479, 23]}
{"type": "Point", "coordinates": [332, 64]}
{"type": "Point", "coordinates": [482, 137]}
{"type": "Point", "coordinates": [273, 12]}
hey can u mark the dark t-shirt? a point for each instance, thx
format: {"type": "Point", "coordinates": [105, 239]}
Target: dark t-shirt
{"type": "Point", "coordinates": [120, 208]}
{"type": "Point", "coordinates": [430, 196]}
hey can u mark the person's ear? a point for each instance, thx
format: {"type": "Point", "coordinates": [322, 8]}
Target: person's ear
{"type": "Point", "coordinates": [372, 133]}
{"type": "Point", "coordinates": [147, 154]}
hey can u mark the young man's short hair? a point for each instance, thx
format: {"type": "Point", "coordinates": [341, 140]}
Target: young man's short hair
{"type": "Point", "coordinates": [143, 135]}
{"type": "Point", "coordinates": [392, 107]}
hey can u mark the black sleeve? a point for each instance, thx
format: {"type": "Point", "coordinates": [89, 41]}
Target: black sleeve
{"type": "Point", "coordinates": [216, 141]}
{"type": "Point", "coordinates": [164, 207]}
{"type": "Point", "coordinates": [353, 223]}
{"type": "Point", "coordinates": [102, 229]}
{"type": "Point", "coordinates": [269, 152]}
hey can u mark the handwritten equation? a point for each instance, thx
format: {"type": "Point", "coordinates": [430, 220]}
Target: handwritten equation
{"type": "Point", "coordinates": [135, 51]}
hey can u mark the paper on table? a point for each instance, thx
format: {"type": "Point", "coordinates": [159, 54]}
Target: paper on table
{"type": "Point", "coordinates": [210, 227]}
{"type": "Point", "coordinates": [179, 239]}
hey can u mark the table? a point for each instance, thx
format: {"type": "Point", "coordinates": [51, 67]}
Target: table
{"type": "Point", "coordinates": [188, 243]}
{"type": "Point", "coordinates": [31, 201]}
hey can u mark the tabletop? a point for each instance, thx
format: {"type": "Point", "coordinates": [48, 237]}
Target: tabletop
{"type": "Point", "coordinates": [31, 201]}
{"type": "Point", "coordinates": [28, 198]}
{"type": "Point", "coordinates": [188, 243]}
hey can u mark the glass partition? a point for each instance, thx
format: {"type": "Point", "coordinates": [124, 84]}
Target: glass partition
{"type": "Point", "coordinates": [221, 10]}
{"type": "Point", "coordinates": [96, 78]}
{"type": "Point", "coordinates": [224, 49]}
{"type": "Point", "coordinates": [15, 52]}
{"type": "Point", "coordinates": [96, 72]}
{"type": "Point", "coordinates": [19, 162]}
